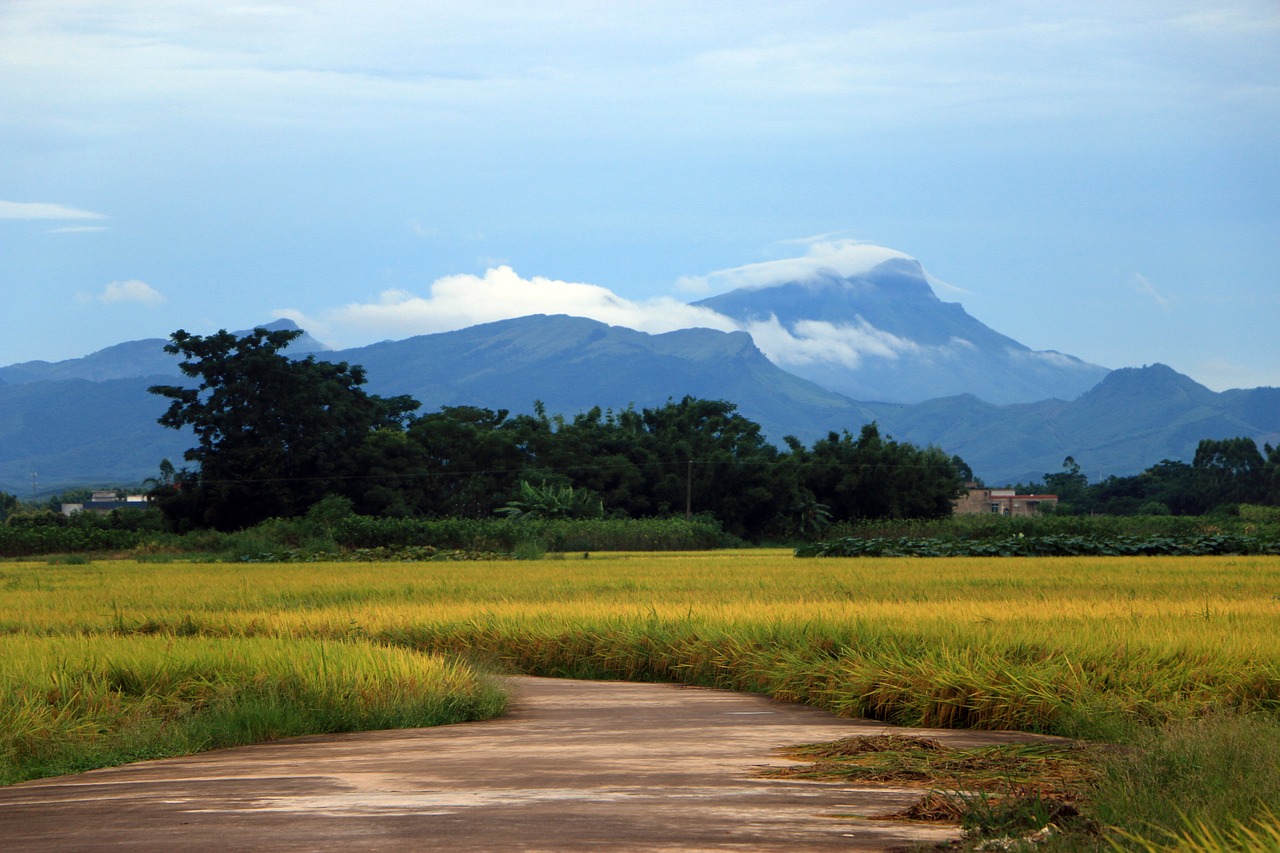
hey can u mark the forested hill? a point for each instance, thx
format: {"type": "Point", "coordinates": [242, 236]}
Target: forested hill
{"type": "Point", "coordinates": [571, 364]}
{"type": "Point", "coordinates": [1132, 419]}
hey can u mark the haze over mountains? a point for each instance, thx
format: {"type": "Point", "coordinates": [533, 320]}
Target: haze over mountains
{"type": "Point", "coordinates": [926, 370]}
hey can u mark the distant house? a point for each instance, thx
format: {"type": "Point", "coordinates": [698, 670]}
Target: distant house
{"type": "Point", "coordinates": [1001, 502]}
{"type": "Point", "coordinates": [105, 501]}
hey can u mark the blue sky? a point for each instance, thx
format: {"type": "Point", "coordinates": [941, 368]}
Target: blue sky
{"type": "Point", "coordinates": [1096, 178]}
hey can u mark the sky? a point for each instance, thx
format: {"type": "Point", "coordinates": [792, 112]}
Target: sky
{"type": "Point", "coordinates": [1097, 178]}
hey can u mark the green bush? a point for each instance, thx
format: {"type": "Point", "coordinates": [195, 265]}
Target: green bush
{"type": "Point", "coordinates": [27, 541]}
{"type": "Point", "coordinates": [1253, 521]}
{"type": "Point", "coordinates": [506, 535]}
{"type": "Point", "coordinates": [1061, 545]}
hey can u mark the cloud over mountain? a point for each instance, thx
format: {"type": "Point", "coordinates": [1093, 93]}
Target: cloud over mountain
{"type": "Point", "coordinates": [458, 301]}
{"type": "Point", "coordinates": [854, 317]}
{"type": "Point", "coordinates": [842, 257]}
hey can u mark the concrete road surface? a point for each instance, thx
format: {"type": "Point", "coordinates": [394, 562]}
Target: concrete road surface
{"type": "Point", "coordinates": [574, 765]}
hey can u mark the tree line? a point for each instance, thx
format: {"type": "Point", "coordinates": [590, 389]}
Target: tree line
{"type": "Point", "coordinates": [275, 435]}
{"type": "Point", "coordinates": [1223, 474]}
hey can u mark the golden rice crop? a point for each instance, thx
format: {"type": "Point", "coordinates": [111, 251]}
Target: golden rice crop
{"type": "Point", "coordinates": [70, 702]}
{"type": "Point", "coordinates": [955, 642]}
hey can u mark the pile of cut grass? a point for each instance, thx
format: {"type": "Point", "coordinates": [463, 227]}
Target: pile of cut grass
{"type": "Point", "coordinates": [999, 791]}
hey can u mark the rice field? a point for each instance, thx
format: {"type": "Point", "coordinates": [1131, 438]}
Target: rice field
{"type": "Point", "coordinates": [1086, 647]}
{"type": "Point", "coordinates": [852, 635]}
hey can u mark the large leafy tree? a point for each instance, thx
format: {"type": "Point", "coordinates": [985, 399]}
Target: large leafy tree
{"type": "Point", "coordinates": [472, 460]}
{"type": "Point", "coordinates": [274, 434]}
{"type": "Point", "coordinates": [1229, 470]}
{"type": "Point", "coordinates": [872, 476]}
{"type": "Point", "coordinates": [702, 455]}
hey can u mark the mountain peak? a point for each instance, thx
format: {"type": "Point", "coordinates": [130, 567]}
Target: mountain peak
{"type": "Point", "coordinates": [879, 332]}
{"type": "Point", "coordinates": [301, 345]}
{"type": "Point", "coordinates": [1148, 382]}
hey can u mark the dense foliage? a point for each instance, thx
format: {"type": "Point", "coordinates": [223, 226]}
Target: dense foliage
{"type": "Point", "coordinates": [276, 435]}
{"type": "Point", "coordinates": [1045, 546]}
{"type": "Point", "coordinates": [1224, 472]}
{"type": "Point", "coordinates": [322, 535]}
{"type": "Point", "coordinates": [1250, 530]}
{"type": "Point", "coordinates": [45, 532]}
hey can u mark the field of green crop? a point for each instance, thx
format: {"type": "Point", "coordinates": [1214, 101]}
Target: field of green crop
{"type": "Point", "coordinates": [1131, 650]}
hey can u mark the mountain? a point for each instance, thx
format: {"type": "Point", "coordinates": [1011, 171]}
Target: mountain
{"type": "Point", "coordinates": [77, 431]}
{"type": "Point", "coordinates": [133, 358]}
{"type": "Point", "coordinates": [1133, 418]}
{"type": "Point", "coordinates": [56, 435]}
{"type": "Point", "coordinates": [883, 334]}
{"type": "Point", "coordinates": [571, 364]}
{"type": "Point", "coordinates": [69, 431]}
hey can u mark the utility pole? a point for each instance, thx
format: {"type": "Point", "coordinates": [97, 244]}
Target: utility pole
{"type": "Point", "coordinates": [688, 493]}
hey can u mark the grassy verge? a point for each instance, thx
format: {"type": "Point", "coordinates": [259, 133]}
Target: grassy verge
{"type": "Point", "coordinates": [1208, 782]}
{"type": "Point", "coordinates": [69, 704]}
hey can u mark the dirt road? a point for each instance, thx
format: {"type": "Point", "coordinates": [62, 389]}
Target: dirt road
{"type": "Point", "coordinates": [574, 766]}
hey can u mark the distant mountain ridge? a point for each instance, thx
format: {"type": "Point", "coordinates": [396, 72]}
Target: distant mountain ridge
{"type": "Point", "coordinates": [1133, 419]}
{"type": "Point", "coordinates": [132, 358]}
{"type": "Point", "coordinates": [883, 334]}
{"type": "Point", "coordinates": [83, 431]}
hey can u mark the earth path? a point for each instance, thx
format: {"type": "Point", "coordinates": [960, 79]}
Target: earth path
{"type": "Point", "coordinates": [573, 766]}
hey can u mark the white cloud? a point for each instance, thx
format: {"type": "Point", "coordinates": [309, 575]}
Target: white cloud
{"type": "Point", "coordinates": [43, 210]}
{"type": "Point", "coordinates": [132, 290]}
{"type": "Point", "coordinates": [458, 301]}
{"type": "Point", "coordinates": [842, 257]}
{"type": "Point", "coordinates": [819, 342]}
{"type": "Point", "coordinates": [1146, 288]}
{"type": "Point", "coordinates": [1050, 357]}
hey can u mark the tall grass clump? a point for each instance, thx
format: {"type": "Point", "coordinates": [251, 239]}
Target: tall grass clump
{"type": "Point", "coordinates": [1261, 835]}
{"type": "Point", "coordinates": [1218, 781]}
{"type": "Point", "coordinates": [73, 703]}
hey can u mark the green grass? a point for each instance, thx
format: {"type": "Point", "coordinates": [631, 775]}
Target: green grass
{"type": "Point", "coordinates": [1202, 781]}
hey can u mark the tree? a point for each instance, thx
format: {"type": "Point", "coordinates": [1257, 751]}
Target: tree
{"type": "Point", "coordinates": [1172, 482]}
{"type": "Point", "coordinates": [8, 503]}
{"type": "Point", "coordinates": [1070, 485]}
{"type": "Point", "coordinates": [1271, 476]}
{"type": "Point", "coordinates": [274, 434]}
{"type": "Point", "coordinates": [1229, 470]}
{"type": "Point", "coordinates": [549, 501]}
{"type": "Point", "coordinates": [472, 460]}
{"type": "Point", "coordinates": [873, 476]}
{"type": "Point", "coordinates": [702, 455]}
